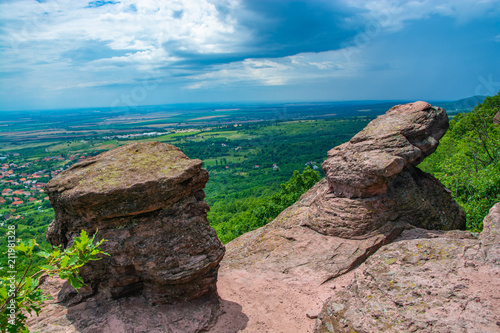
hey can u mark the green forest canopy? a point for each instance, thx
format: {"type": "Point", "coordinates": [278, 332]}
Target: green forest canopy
{"type": "Point", "coordinates": [467, 160]}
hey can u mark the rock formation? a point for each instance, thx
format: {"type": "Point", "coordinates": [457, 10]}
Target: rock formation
{"type": "Point", "coordinates": [147, 200]}
{"type": "Point", "coordinates": [424, 282]}
{"type": "Point", "coordinates": [404, 135]}
{"type": "Point", "coordinates": [374, 176]}
{"type": "Point", "coordinates": [328, 256]}
{"type": "Point", "coordinates": [372, 190]}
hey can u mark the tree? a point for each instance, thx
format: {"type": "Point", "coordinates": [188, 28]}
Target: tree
{"type": "Point", "coordinates": [290, 192]}
{"type": "Point", "coordinates": [20, 294]}
{"type": "Point", "coordinates": [467, 161]}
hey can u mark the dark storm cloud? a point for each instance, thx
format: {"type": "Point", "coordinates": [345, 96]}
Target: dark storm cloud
{"type": "Point", "coordinates": [278, 29]}
{"type": "Point", "coordinates": [283, 28]}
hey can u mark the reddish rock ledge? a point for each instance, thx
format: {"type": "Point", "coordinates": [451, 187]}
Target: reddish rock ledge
{"type": "Point", "coordinates": [425, 281]}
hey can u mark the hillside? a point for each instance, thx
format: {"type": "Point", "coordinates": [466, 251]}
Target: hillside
{"type": "Point", "coordinates": [462, 105]}
{"type": "Point", "coordinates": [467, 160]}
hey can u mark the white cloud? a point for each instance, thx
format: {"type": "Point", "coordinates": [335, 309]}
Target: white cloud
{"type": "Point", "coordinates": [143, 60]}
{"type": "Point", "coordinates": [41, 39]}
{"type": "Point", "coordinates": [323, 65]}
{"type": "Point", "coordinates": [142, 27]}
{"type": "Point", "coordinates": [250, 71]}
{"type": "Point", "coordinates": [295, 69]}
{"type": "Point", "coordinates": [91, 84]}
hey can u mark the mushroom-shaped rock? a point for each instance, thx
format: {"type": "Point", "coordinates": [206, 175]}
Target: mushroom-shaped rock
{"type": "Point", "coordinates": [404, 135]}
{"type": "Point", "coordinates": [372, 179]}
{"type": "Point", "coordinates": [372, 192]}
{"type": "Point", "coordinates": [147, 200]}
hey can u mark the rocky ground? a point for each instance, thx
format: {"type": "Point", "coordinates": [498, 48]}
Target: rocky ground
{"type": "Point", "coordinates": [423, 282]}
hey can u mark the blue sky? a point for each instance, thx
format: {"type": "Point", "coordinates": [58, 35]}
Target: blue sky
{"type": "Point", "coordinates": [71, 53]}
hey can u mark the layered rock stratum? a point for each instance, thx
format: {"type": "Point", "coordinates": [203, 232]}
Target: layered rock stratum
{"type": "Point", "coordinates": [374, 176]}
{"type": "Point", "coordinates": [425, 281]}
{"type": "Point", "coordinates": [147, 200]}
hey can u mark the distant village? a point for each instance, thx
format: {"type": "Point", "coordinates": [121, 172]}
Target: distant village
{"type": "Point", "coordinates": [135, 135]}
{"type": "Point", "coordinates": [22, 183]}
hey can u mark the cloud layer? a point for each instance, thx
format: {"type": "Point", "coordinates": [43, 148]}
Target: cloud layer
{"type": "Point", "coordinates": [64, 53]}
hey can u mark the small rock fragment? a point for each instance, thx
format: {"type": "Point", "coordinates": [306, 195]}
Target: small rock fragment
{"type": "Point", "coordinates": [312, 314]}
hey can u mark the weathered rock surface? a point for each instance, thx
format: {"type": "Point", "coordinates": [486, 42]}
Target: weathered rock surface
{"type": "Point", "coordinates": [372, 179]}
{"type": "Point", "coordinates": [287, 246]}
{"type": "Point", "coordinates": [147, 200]}
{"type": "Point", "coordinates": [404, 135]}
{"type": "Point", "coordinates": [490, 236]}
{"type": "Point", "coordinates": [424, 282]}
{"type": "Point", "coordinates": [413, 197]}
{"type": "Point", "coordinates": [126, 314]}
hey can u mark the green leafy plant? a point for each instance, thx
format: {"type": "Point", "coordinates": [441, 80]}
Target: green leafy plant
{"type": "Point", "coordinates": [249, 213]}
{"type": "Point", "coordinates": [20, 294]}
{"type": "Point", "coordinates": [290, 192]}
{"type": "Point", "coordinates": [467, 161]}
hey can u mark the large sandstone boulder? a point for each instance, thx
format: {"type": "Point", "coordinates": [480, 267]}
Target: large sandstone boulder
{"type": "Point", "coordinates": [372, 179]}
{"type": "Point", "coordinates": [147, 200]}
{"type": "Point", "coordinates": [404, 135]}
{"type": "Point", "coordinates": [122, 315]}
{"type": "Point", "coordinates": [490, 236]}
{"type": "Point", "coordinates": [424, 282]}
